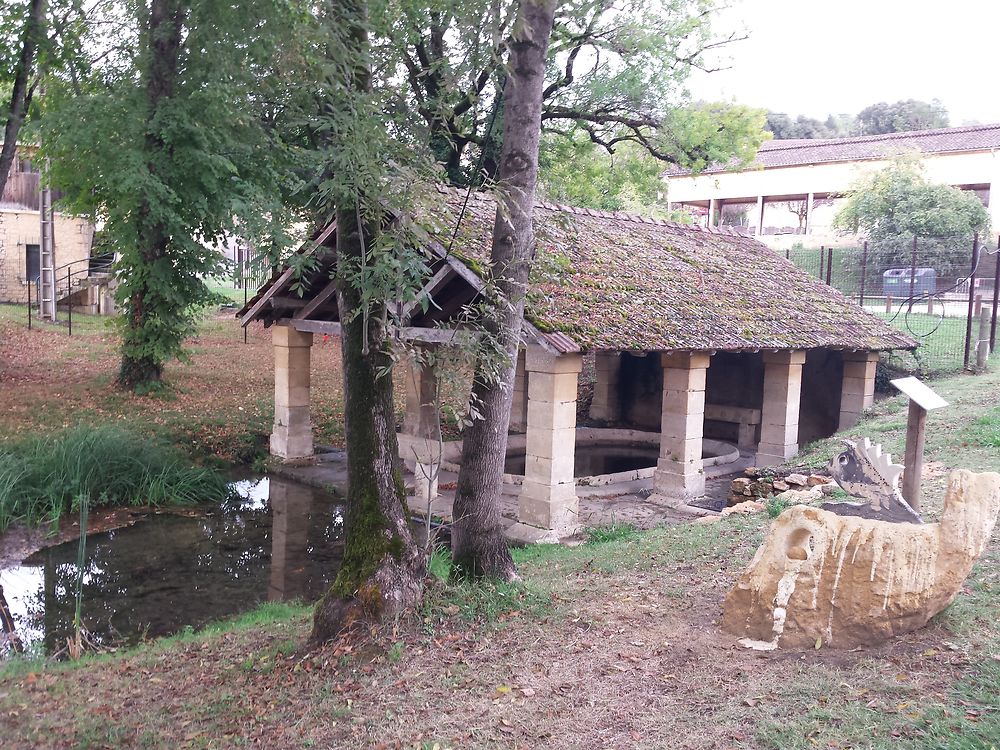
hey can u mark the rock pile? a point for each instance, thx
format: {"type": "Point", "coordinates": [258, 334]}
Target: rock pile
{"type": "Point", "coordinates": [756, 485]}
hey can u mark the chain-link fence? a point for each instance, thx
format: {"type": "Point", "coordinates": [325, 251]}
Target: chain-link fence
{"type": "Point", "coordinates": [936, 289]}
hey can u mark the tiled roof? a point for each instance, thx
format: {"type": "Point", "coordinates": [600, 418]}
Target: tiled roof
{"type": "Point", "coordinates": [622, 282]}
{"type": "Point", "coordinates": [790, 153]}
{"type": "Point", "coordinates": [612, 281]}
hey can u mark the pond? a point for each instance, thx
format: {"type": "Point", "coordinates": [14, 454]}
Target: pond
{"type": "Point", "coordinates": [274, 540]}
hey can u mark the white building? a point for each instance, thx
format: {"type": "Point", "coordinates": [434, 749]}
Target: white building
{"type": "Point", "coordinates": [793, 187]}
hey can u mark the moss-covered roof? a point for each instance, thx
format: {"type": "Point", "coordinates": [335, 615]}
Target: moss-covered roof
{"type": "Point", "coordinates": [620, 282]}
{"type": "Point", "coordinates": [612, 281]}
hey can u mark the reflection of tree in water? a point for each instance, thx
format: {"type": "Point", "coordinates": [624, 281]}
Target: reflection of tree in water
{"type": "Point", "coordinates": [171, 571]}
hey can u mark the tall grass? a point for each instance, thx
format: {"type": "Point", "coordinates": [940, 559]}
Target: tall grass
{"type": "Point", "coordinates": [42, 478]}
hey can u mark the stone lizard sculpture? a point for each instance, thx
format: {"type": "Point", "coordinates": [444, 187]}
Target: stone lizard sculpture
{"type": "Point", "coordinates": [864, 471]}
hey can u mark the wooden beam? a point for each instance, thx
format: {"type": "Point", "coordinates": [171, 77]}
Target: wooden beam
{"type": "Point", "coordinates": [318, 301]}
{"type": "Point", "coordinates": [436, 282]}
{"type": "Point", "coordinates": [266, 297]}
{"type": "Point", "coordinates": [296, 302]}
{"type": "Point", "coordinates": [429, 335]}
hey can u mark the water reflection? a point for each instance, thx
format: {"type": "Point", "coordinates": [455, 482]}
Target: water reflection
{"type": "Point", "coordinates": [276, 540]}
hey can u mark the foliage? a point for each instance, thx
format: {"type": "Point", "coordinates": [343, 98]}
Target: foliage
{"type": "Point", "coordinates": [898, 117]}
{"type": "Point", "coordinates": [170, 175]}
{"type": "Point", "coordinates": [775, 506]}
{"type": "Point", "coordinates": [43, 477]}
{"type": "Point", "coordinates": [616, 73]}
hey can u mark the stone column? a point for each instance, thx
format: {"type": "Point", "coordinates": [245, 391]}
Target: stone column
{"type": "Point", "coordinates": [605, 405]}
{"type": "Point", "coordinates": [519, 402]}
{"type": "Point", "coordinates": [419, 442]}
{"type": "Point", "coordinates": [711, 212]}
{"type": "Point", "coordinates": [779, 419]}
{"type": "Point", "coordinates": [291, 436]}
{"type": "Point", "coordinates": [857, 391]}
{"type": "Point", "coordinates": [548, 494]}
{"type": "Point", "coordinates": [679, 473]}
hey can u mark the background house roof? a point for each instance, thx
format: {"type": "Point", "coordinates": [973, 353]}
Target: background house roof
{"type": "Point", "coordinates": [798, 152]}
{"type": "Point", "coordinates": [621, 282]}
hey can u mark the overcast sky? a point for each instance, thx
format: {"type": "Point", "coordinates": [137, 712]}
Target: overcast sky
{"type": "Point", "coordinates": [839, 56]}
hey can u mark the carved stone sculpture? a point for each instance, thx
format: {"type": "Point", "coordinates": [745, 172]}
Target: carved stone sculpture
{"type": "Point", "coordinates": [851, 581]}
{"type": "Point", "coordinates": [864, 471]}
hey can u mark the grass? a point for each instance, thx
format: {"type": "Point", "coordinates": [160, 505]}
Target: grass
{"type": "Point", "coordinates": [44, 477]}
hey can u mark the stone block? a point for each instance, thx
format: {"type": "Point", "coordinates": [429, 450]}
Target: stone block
{"type": "Point", "coordinates": [543, 386]}
{"type": "Point", "coordinates": [552, 415]}
{"type": "Point", "coordinates": [682, 451]}
{"type": "Point", "coordinates": [685, 360]}
{"type": "Point", "coordinates": [555, 444]}
{"type": "Point", "coordinates": [539, 360]}
{"type": "Point", "coordinates": [678, 484]}
{"type": "Point", "coordinates": [682, 426]}
{"type": "Point", "coordinates": [291, 397]}
{"type": "Point", "coordinates": [675, 379]}
{"type": "Point", "coordinates": [684, 402]}
{"type": "Point", "coordinates": [548, 506]}
{"type": "Point", "coordinates": [549, 470]}
{"type": "Point", "coordinates": [795, 357]}
{"type": "Point", "coordinates": [288, 337]}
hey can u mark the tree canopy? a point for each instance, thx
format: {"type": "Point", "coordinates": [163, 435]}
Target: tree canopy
{"type": "Point", "coordinates": [876, 119]}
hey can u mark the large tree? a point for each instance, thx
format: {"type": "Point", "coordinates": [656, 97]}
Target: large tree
{"type": "Point", "coordinates": [167, 141]}
{"type": "Point", "coordinates": [383, 569]}
{"type": "Point", "coordinates": [478, 543]}
{"type": "Point", "coordinates": [615, 72]}
{"type": "Point", "coordinates": [22, 29]}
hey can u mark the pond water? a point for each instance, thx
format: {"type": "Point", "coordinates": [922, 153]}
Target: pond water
{"type": "Point", "coordinates": [276, 540]}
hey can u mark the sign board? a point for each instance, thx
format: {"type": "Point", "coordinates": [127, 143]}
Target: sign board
{"type": "Point", "coordinates": [920, 393]}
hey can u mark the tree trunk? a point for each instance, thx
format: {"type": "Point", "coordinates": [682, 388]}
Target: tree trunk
{"type": "Point", "coordinates": [20, 97]}
{"type": "Point", "coordinates": [478, 545]}
{"type": "Point", "coordinates": [141, 367]}
{"type": "Point", "coordinates": [383, 570]}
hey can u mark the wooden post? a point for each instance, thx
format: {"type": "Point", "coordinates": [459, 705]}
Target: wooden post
{"type": "Point", "coordinates": [922, 400]}
{"type": "Point", "coordinates": [983, 345]}
{"type": "Point", "coordinates": [888, 303]}
{"type": "Point", "coordinates": [916, 425]}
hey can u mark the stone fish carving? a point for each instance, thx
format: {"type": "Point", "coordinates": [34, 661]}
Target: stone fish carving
{"type": "Point", "coordinates": [850, 581]}
{"type": "Point", "coordinates": [864, 471]}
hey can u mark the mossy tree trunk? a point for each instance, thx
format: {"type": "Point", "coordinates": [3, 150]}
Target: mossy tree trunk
{"type": "Point", "coordinates": [383, 570]}
{"type": "Point", "coordinates": [142, 363]}
{"type": "Point", "coordinates": [478, 544]}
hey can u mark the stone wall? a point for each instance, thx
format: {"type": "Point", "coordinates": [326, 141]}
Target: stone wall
{"type": "Point", "coordinates": [18, 229]}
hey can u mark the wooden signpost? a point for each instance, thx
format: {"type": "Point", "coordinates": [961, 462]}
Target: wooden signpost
{"type": "Point", "coordinates": [922, 400]}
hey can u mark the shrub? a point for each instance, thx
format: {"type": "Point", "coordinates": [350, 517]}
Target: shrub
{"type": "Point", "coordinates": [43, 477]}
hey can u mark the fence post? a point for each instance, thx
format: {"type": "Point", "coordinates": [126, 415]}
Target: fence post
{"type": "Point", "coordinates": [972, 302]}
{"type": "Point", "coordinates": [829, 265]}
{"type": "Point", "coordinates": [913, 272]}
{"type": "Point", "coordinates": [996, 297]}
{"type": "Point", "coordinates": [69, 301]}
{"type": "Point", "coordinates": [864, 271]}
{"type": "Point", "coordinates": [983, 344]}
{"type": "Point", "coordinates": [30, 282]}
{"type": "Point", "coordinates": [822, 255]}
{"type": "Point", "coordinates": [244, 282]}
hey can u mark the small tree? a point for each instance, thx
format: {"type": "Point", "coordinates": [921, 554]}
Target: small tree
{"type": "Point", "coordinates": [898, 117]}
{"type": "Point", "coordinates": [892, 206]}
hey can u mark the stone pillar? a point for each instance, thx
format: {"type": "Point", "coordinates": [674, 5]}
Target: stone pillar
{"type": "Point", "coordinates": [711, 212]}
{"type": "Point", "coordinates": [519, 402]}
{"type": "Point", "coordinates": [857, 391]}
{"type": "Point", "coordinates": [291, 436]}
{"type": "Point", "coordinates": [291, 504]}
{"type": "Point", "coordinates": [779, 419]}
{"type": "Point", "coordinates": [419, 442]}
{"type": "Point", "coordinates": [605, 405]}
{"type": "Point", "coordinates": [548, 494]}
{"type": "Point", "coordinates": [679, 473]}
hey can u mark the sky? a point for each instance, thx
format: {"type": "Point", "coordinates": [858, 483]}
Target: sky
{"type": "Point", "coordinates": [839, 56]}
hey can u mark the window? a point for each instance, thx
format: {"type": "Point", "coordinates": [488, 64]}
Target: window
{"type": "Point", "coordinates": [32, 263]}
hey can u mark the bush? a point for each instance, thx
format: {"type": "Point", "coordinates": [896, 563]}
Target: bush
{"type": "Point", "coordinates": [42, 478]}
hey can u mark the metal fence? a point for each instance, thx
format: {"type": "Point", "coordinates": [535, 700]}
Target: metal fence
{"type": "Point", "coordinates": [936, 289]}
